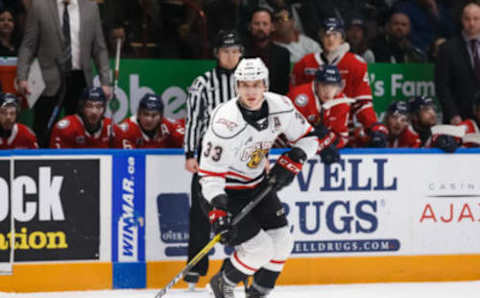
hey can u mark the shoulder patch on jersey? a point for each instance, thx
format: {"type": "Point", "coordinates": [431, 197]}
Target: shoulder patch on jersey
{"type": "Point", "coordinates": [123, 126]}
{"type": "Point", "coordinates": [301, 100]}
{"type": "Point", "coordinates": [64, 123]}
{"type": "Point", "coordinates": [226, 120]}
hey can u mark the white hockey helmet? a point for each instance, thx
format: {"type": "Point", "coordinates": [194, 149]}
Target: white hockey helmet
{"type": "Point", "coordinates": [251, 69]}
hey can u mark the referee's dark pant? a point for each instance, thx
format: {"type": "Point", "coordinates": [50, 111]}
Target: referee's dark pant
{"type": "Point", "coordinates": [199, 231]}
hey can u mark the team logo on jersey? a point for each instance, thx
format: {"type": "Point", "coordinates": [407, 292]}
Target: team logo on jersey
{"type": "Point", "coordinates": [229, 124]}
{"type": "Point", "coordinates": [255, 154]}
{"type": "Point", "coordinates": [256, 158]}
{"type": "Point", "coordinates": [80, 140]}
{"type": "Point", "coordinates": [301, 100]}
{"type": "Point", "coordinates": [63, 123]}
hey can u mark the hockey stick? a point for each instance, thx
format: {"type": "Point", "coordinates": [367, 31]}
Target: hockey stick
{"type": "Point", "coordinates": [116, 75]}
{"type": "Point", "coordinates": [216, 239]}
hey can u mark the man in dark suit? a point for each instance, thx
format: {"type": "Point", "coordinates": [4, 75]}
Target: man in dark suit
{"type": "Point", "coordinates": [276, 58]}
{"type": "Point", "coordinates": [65, 36]}
{"type": "Point", "coordinates": [457, 71]}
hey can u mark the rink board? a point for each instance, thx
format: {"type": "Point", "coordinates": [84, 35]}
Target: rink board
{"type": "Point", "coordinates": [378, 216]}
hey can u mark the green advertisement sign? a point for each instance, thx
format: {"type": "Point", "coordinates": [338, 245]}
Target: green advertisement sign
{"type": "Point", "coordinates": [168, 78]}
{"type": "Point", "coordinates": [391, 82]}
{"type": "Point", "coordinates": [171, 79]}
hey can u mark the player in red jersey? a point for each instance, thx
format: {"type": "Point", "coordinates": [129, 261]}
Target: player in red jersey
{"type": "Point", "coordinates": [86, 129]}
{"type": "Point", "coordinates": [14, 135]}
{"type": "Point", "coordinates": [354, 75]}
{"type": "Point", "coordinates": [149, 129]}
{"type": "Point", "coordinates": [323, 103]}
{"type": "Point", "coordinates": [401, 134]}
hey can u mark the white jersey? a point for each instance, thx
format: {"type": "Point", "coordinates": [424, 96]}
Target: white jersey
{"type": "Point", "coordinates": [234, 152]}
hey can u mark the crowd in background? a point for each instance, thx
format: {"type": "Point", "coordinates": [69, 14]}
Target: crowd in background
{"type": "Point", "coordinates": [284, 34]}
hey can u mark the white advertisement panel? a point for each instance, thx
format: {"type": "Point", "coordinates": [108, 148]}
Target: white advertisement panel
{"type": "Point", "coordinates": [372, 204]}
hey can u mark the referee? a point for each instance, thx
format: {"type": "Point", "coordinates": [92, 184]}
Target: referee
{"type": "Point", "coordinates": [214, 87]}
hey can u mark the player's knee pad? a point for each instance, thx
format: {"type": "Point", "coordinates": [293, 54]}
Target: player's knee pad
{"type": "Point", "coordinates": [253, 253]}
{"type": "Point", "coordinates": [282, 247]}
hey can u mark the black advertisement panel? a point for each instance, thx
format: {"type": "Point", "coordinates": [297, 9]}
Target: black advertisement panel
{"type": "Point", "coordinates": [56, 206]}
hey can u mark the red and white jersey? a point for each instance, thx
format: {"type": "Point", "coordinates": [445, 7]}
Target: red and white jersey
{"type": "Point", "coordinates": [70, 132]}
{"type": "Point", "coordinates": [470, 126]}
{"type": "Point", "coordinates": [335, 117]}
{"type": "Point", "coordinates": [170, 134]}
{"type": "Point", "coordinates": [471, 129]}
{"type": "Point", "coordinates": [353, 70]}
{"type": "Point", "coordinates": [234, 152]}
{"type": "Point", "coordinates": [407, 139]}
{"type": "Point", "coordinates": [22, 137]}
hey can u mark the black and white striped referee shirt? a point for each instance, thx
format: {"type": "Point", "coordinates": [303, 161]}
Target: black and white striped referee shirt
{"type": "Point", "coordinates": [214, 87]}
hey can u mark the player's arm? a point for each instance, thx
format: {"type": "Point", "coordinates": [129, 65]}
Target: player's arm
{"type": "Point", "coordinates": [31, 138]}
{"type": "Point", "coordinates": [340, 123]}
{"type": "Point", "coordinates": [362, 94]}
{"type": "Point", "coordinates": [214, 161]}
{"type": "Point", "coordinates": [311, 140]}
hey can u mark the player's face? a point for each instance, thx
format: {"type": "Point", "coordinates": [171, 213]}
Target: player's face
{"type": "Point", "coordinates": [327, 92]}
{"type": "Point", "coordinates": [331, 40]}
{"type": "Point", "coordinates": [396, 124]}
{"type": "Point", "coordinates": [251, 94]}
{"type": "Point", "coordinates": [6, 23]}
{"type": "Point", "coordinates": [427, 116]}
{"type": "Point", "coordinates": [228, 57]}
{"type": "Point", "coordinates": [149, 120]}
{"type": "Point", "coordinates": [261, 26]}
{"type": "Point", "coordinates": [8, 117]}
{"type": "Point", "coordinates": [93, 112]}
{"type": "Point", "coordinates": [471, 20]}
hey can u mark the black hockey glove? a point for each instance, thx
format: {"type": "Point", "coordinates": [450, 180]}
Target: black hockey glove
{"type": "Point", "coordinates": [286, 168]}
{"type": "Point", "coordinates": [378, 136]}
{"type": "Point", "coordinates": [327, 145]}
{"type": "Point", "coordinates": [221, 219]}
{"type": "Point", "coordinates": [446, 143]}
{"type": "Point", "coordinates": [330, 154]}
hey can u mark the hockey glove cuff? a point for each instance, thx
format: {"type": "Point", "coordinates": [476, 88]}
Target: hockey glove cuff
{"type": "Point", "coordinates": [378, 136]}
{"type": "Point", "coordinates": [286, 168]}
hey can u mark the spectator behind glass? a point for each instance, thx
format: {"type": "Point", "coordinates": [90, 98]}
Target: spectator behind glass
{"type": "Point", "coordinates": [9, 35]}
{"type": "Point", "coordinates": [394, 46]}
{"type": "Point", "coordinates": [429, 20]}
{"type": "Point", "coordinates": [287, 36]}
{"type": "Point", "coordinates": [356, 37]}
{"type": "Point", "coordinates": [457, 70]}
{"type": "Point", "coordinates": [276, 58]}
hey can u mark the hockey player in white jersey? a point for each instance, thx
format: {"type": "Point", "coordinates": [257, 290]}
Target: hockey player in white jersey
{"type": "Point", "coordinates": [235, 148]}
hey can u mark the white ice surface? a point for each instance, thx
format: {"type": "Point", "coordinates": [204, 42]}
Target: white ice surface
{"type": "Point", "coordinates": [385, 290]}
